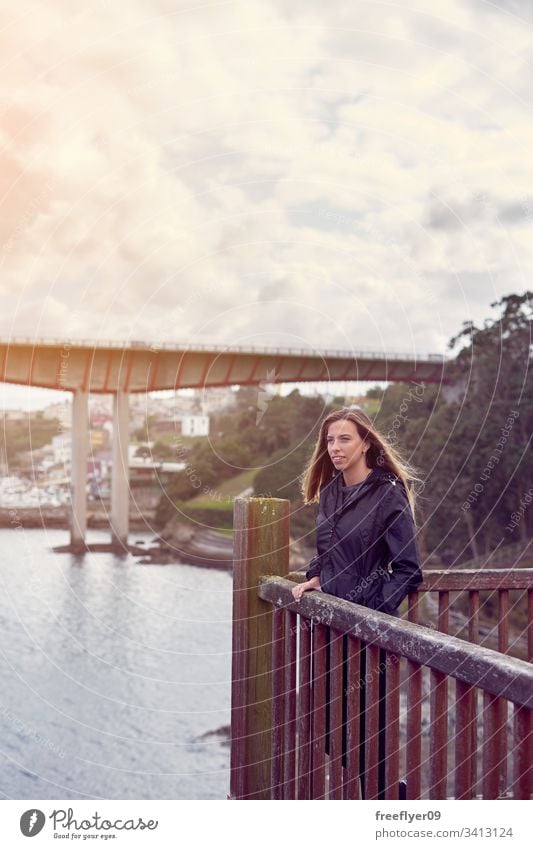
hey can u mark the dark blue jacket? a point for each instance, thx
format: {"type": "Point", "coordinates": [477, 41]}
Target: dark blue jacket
{"type": "Point", "coordinates": [366, 547]}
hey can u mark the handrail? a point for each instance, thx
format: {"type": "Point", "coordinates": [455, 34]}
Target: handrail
{"type": "Point", "coordinates": [496, 583]}
{"type": "Point", "coordinates": [129, 344]}
{"type": "Point", "coordinates": [452, 580]}
{"type": "Point", "coordinates": [467, 579]}
{"type": "Point", "coordinates": [489, 670]}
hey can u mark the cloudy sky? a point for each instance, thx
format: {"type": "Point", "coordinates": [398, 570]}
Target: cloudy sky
{"type": "Point", "coordinates": [352, 174]}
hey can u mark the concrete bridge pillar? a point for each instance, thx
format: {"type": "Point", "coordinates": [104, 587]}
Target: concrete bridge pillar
{"type": "Point", "coordinates": [79, 456]}
{"type": "Point", "coordinates": [120, 490]}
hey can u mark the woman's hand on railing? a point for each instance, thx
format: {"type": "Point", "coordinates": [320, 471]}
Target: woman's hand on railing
{"type": "Point", "coordinates": [300, 589]}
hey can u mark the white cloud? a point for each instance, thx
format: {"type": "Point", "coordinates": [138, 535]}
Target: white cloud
{"type": "Point", "coordinates": [263, 170]}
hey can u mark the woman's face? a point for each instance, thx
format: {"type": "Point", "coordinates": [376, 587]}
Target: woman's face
{"type": "Point", "coordinates": [345, 446]}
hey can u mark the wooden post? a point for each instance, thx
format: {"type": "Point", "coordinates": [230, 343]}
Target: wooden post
{"type": "Point", "coordinates": [260, 547]}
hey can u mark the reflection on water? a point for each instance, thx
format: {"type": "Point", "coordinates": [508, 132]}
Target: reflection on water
{"type": "Point", "coordinates": [111, 671]}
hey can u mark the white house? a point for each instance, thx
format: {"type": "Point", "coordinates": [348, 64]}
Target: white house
{"type": "Point", "coordinates": [62, 447]}
{"type": "Point", "coordinates": [195, 425]}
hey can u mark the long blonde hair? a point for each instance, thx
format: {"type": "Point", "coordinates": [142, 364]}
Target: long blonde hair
{"type": "Point", "coordinates": [380, 454]}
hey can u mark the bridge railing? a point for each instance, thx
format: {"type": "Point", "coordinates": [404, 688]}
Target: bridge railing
{"type": "Point", "coordinates": [333, 700]}
{"type": "Point", "coordinates": [185, 346]}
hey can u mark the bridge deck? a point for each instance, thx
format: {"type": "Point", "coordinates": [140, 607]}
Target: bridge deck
{"type": "Point", "coordinates": [109, 367]}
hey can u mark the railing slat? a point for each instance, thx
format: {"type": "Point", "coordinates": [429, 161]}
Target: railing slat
{"type": "Point", "coordinates": [530, 625]}
{"type": "Point", "coordinates": [503, 646]}
{"type": "Point", "coordinates": [392, 724]}
{"type": "Point", "coordinates": [319, 712]}
{"type": "Point", "coordinates": [289, 761]}
{"type": "Point", "coordinates": [504, 743]}
{"type": "Point", "coordinates": [503, 621]}
{"type": "Point", "coordinates": [465, 734]}
{"type": "Point", "coordinates": [492, 731]}
{"type": "Point", "coordinates": [438, 735]}
{"type": "Point", "coordinates": [473, 616]}
{"type": "Point", "coordinates": [444, 608]}
{"type": "Point", "coordinates": [413, 607]}
{"type": "Point", "coordinates": [304, 710]}
{"type": "Point", "coordinates": [414, 712]}
{"type": "Point", "coordinates": [473, 636]}
{"type": "Point", "coordinates": [352, 789]}
{"type": "Point", "coordinates": [372, 724]}
{"type": "Point", "coordinates": [523, 752]}
{"type": "Point", "coordinates": [278, 703]}
{"type": "Point", "coordinates": [414, 730]}
{"type": "Point", "coordinates": [335, 715]}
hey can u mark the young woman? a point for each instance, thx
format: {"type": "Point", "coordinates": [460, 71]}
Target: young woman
{"type": "Point", "coordinates": [366, 536]}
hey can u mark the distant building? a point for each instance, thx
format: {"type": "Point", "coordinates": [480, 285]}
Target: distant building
{"type": "Point", "coordinates": [218, 398]}
{"type": "Point", "coordinates": [62, 410]}
{"type": "Point", "coordinates": [195, 425]}
{"type": "Point", "coordinates": [99, 418]}
{"type": "Point", "coordinates": [62, 447]}
{"type": "Point", "coordinates": [99, 439]}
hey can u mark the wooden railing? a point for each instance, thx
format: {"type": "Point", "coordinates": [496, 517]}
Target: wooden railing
{"type": "Point", "coordinates": [462, 593]}
{"type": "Point", "coordinates": [372, 689]}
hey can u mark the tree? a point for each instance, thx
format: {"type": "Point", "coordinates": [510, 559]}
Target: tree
{"type": "Point", "coordinates": [281, 478]}
{"type": "Point", "coordinates": [475, 451]}
{"type": "Point", "coordinates": [162, 450]}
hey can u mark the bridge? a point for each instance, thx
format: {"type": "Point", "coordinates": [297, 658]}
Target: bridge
{"type": "Point", "coordinates": [118, 368]}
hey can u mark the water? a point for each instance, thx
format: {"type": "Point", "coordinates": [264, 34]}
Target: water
{"type": "Point", "coordinates": [110, 671]}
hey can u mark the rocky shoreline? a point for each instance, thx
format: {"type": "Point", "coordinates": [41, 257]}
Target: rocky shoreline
{"type": "Point", "coordinates": [177, 543]}
{"type": "Point", "coordinates": [206, 547]}
{"type": "Point", "coordinates": [59, 517]}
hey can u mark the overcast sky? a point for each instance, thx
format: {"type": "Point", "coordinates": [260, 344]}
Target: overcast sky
{"type": "Point", "coordinates": [353, 174]}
